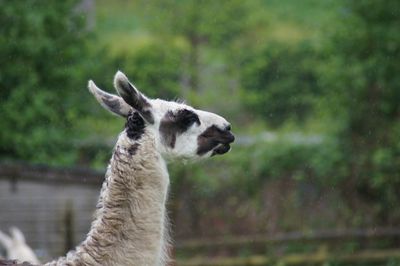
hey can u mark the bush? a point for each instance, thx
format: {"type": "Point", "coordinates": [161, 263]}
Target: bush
{"type": "Point", "coordinates": [280, 84]}
{"type": "Point", "coordinates": [41, 49]}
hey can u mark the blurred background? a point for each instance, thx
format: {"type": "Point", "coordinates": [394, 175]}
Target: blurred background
{"type": "Point", "coordinates": [312, 88]}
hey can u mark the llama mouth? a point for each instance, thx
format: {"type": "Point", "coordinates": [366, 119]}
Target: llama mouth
{"type": "Point", "coordinates": [221, 149]}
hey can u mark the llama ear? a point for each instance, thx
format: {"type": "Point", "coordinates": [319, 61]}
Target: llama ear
{"type": "Point", "coordinates": [112, 103]}
{"type": "Point", "coordinates": [5, 240]}
{"type": "Point", "coordinates": [17, 235]}
{"type": "Point", "coordinates": [133, 96]}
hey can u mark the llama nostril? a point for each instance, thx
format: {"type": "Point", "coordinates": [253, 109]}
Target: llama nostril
{"type": "Point", "coordinates": [229, 137]}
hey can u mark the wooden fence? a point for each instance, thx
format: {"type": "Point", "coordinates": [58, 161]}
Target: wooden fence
{"type": "Point", "coordinates": [54, 206]}
{"type": "Point", "coordinates": [366, 257]}
{"type": "Point", "coordinates": [375, 246]}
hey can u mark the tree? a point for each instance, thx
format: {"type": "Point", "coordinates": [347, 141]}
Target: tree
{"type": "Point", "coordinates": [199, 23]}
{"type": "Point", "coordinates": [280, 82]}
{"type": "Point", "coordinates": [362, 83]}
{"type": "Point", "coordinates": [41, 47]}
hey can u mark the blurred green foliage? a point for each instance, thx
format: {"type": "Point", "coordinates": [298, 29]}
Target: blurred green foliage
{"type": "Point", "coordinates": [364, 91]}
{"type": "Point", "coordinates": [280, 82]}
{"type": "Point", "coordinates": [156, 65]}
{"type": "Point", "coordinates": [206, 26]}
{"type": "Point", "coordinates": [41, 50]}
{"type": "Point", "coordinates": [320, 75]}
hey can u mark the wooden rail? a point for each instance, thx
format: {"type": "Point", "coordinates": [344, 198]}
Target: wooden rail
{"type": "Point", "coordinates": [303, 237]}
{"type": "Point", "coordinates": [370, 256]}
{"type": "Point", "coordinates": [327, 245]}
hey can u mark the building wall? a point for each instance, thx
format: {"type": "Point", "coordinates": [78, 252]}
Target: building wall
{"type": "Point", "coordinates": [46, 211]}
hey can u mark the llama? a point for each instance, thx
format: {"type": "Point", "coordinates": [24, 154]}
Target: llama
{"type": "Point", "coordinates": [130, 225]}
{"type": "Point", "coordinates": [16, 246]}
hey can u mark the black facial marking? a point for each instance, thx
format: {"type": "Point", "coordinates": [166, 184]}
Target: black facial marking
{"type": "Point", "coordinates": [134, 126]}
{"type": "Point", "coordinates": [211, 138]}
{"type": "Point", "coordinates": [207, 140]}
{"type": "Point", "coordinates": [173, 124]}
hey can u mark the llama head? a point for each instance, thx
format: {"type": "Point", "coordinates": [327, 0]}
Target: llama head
{"type": "Point", "coordinates": [180, 131]}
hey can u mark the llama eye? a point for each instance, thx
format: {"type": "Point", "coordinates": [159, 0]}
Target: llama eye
{"type": "Point", "coordinates": [187, 117]}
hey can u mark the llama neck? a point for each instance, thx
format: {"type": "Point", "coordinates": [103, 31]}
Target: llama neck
{"type": "Point", "coordinates": [130, 217]}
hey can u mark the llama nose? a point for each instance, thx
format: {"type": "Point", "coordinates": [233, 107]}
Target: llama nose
{"type": "Point", "coordinates": [229, 137]}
